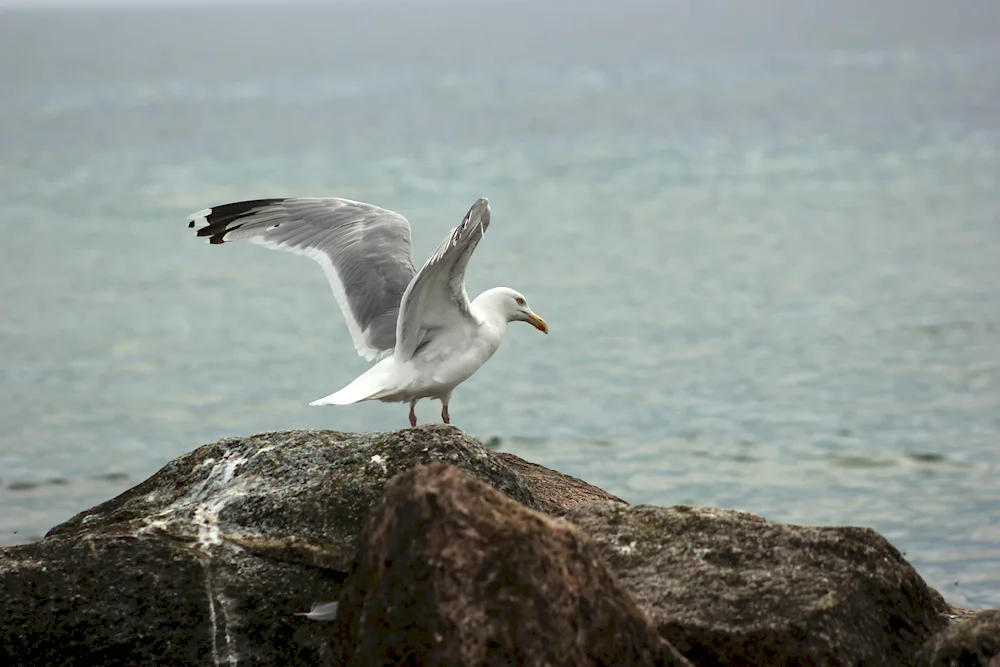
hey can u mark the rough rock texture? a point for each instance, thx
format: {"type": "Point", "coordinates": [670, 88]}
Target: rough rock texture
{"type": "Point", "coordinates": [553, 490]}
{"type": "Point", "coordinates": [729, 588]}
{"type": "Point", "coordinates": [144, 599]}
{"type": "Point", "coordinates": [319, 484]}
{"type": "Point", "coordinates": [451, 572]}
{"type": "Point", "coordinates": [207, 561]}
{"type": "Point", "coordinates": [971, 643]}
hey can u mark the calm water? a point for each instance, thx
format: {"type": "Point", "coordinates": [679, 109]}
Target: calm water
{"type": "Point", "coordinates": [767, 241]}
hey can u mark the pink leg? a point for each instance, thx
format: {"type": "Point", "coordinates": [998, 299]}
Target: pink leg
{"type": "Point", "coordinates": [445, 417]}
{"type": "Point", "coordinates": [413, 415]}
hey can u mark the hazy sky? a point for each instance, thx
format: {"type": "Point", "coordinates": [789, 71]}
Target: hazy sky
{"type": "Point", "coordinates": [127, 3]}
{"type": "Point", "coordinates": [78, 3]}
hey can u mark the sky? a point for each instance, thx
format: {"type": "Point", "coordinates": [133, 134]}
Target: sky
{"type": "Point", "coordinates": [22, 4]}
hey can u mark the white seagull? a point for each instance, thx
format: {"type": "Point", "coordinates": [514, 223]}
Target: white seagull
{"type": "Point", "coordinates": [427, 336]}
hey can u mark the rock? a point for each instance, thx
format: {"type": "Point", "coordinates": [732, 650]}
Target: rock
{"type": "Point", "coordinates": [321, 484]}
{"type": "Point", "coordinates": [451, 572]}
{"type": "Point", "coordinates": [553, 490]}
{"type": "Point", "coordinates": [153, 599]}
{"type": "Point", "coordinates": [971, 643]}
{"type": "Point", "coordinates": [210, 558]}
{"type": "Point", "coordinates": [729, 588]}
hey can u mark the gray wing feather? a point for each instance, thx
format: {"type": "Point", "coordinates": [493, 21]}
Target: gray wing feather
{"type": "Point", "coordinates": [363, 249]}
{"type": "Point", "coordinates": [436, 297]}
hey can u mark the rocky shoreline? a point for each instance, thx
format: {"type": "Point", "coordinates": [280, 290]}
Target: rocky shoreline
{"type": "Point", "coordinates": [442, 552]}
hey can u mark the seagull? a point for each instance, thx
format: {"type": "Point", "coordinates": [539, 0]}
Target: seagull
{"type": "Point", "coordinates": [419, 326]}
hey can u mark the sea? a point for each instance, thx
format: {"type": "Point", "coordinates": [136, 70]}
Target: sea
{"type": "Point", "coordinates": [765, 236]}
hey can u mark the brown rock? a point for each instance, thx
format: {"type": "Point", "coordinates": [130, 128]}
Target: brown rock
{"type": "Point", "coordinates": [452, 572]}
{"type": "Point", "coordinates": [971, 643]}
{"type": "Point", "coordinates": [729, 588]}
{"type": "Point", "coordinates": [553, 490]}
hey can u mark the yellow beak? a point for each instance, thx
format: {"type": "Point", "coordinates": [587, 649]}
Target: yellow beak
{"type": "Point", "coordinates": [538, 323]}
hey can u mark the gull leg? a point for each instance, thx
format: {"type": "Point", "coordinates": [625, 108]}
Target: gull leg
{"type": "Point", "coordinates": [445, 417]}
{"type": "Point", "coordinates": [413, 415]}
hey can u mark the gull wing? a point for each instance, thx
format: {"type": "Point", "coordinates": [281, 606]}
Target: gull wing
{"type": "Point", "coordinates": [436, 298]}
{"type": "Point", "coordinates": [363, 249]}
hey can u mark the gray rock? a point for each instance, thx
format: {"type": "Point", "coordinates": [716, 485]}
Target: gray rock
{"type": "Point", "coordinates": [209, 560]}
{"type": "Point", "coordinates": [107, 598]}
{"type": "Point", "coordinates": [321, 484]}
{"type": "Point", "coordinates": [729, 588]}
{"type": "Point", "coordinates": [451, 572]}
{"type": "Point", "coordinates": [972, 643]}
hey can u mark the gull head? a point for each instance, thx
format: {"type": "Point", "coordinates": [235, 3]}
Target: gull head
{"type": "Point", "coordinates": [514, 307]}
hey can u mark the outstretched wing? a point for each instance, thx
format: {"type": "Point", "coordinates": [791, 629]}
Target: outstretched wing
{"type": "Point", "coordinates": [364, 250]}
{"type": "Point", "coordinates": [436, 298]}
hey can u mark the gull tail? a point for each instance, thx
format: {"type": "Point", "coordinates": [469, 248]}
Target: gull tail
{"type": "Point", "coordinates": [375, 383]}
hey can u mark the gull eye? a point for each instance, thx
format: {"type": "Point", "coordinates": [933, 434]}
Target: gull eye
{"type": "Point", "coordinates": [519, 301]}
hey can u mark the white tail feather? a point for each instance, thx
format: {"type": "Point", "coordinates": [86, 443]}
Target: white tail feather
{"type": "Point", "coordinates": [376, 382]}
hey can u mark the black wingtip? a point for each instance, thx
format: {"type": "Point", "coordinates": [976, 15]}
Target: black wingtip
{"type": "Point", "coordinates": [217, 232]}
{"type": "Point", "coordinates": [219, 220]}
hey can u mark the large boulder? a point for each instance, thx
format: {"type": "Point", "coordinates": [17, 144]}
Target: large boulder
{"type": "Point", "coordinates": [730, 588]}
{"type": "Point", "coordinates": [972, 643]}
{"type": "Point", "coordinates": [208, 560]}
{"type": "Point", "coordinates": [451, 572]}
